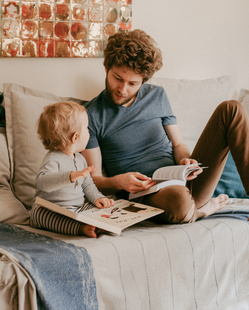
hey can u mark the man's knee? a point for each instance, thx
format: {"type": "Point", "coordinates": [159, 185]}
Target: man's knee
{"type": "Point", "coordinates": [232, 111]}
{"type": "Point", "coordinates": [178, 205]}
{"type": "Point", "coordinates": [230, 105]}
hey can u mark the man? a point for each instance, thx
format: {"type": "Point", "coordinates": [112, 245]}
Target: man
{"type": "Point", "coordinates": [133, 132]}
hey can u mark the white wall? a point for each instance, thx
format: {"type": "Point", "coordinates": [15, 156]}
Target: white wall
{"type": "Point", "coordinates": [198, 38]}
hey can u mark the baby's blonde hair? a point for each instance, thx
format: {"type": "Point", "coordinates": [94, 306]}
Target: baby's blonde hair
{"type": "Point", "coordinates": [58, 123]}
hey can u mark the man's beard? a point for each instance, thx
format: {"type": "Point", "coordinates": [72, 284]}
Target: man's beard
{"type": "Point", "coordinates": [109, 92]}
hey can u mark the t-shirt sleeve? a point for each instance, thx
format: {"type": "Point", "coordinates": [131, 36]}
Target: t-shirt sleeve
{"type": "Point", "coordinates": [93, 140]}
{"type": "Point", "coordinates": [169, 118]}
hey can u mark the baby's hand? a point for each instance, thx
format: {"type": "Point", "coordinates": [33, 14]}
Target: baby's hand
{"type": "Point", "coordinates": [104, 202]}
{"type": "Point", "coordinates": [77, 175]}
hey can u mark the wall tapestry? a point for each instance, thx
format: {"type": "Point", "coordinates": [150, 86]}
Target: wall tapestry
{"type": "Point", "coordinates": [61, 28]}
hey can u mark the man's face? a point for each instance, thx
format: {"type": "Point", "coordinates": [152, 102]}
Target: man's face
{"type": "Point", "coordinates": [84, 133]}
{"type": "Point", "coordinates": [123, 85]}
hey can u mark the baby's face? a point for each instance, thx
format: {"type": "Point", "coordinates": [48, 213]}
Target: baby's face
{"type": "Point", "coordinates": [84, 133]}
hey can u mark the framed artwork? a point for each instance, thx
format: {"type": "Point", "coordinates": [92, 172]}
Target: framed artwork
{"type": "Point", "coordinates": [61, 28]}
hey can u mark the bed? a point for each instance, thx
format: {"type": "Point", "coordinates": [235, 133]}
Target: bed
{"type": "Point", "coordinates": [202, 265]}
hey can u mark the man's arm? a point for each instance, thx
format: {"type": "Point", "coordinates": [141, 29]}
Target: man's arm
{"type": "Point", "coordinates": [181, 150]}
{"type": "Point", "coordinates": [132, 181]}
{"type": "Point", "coordinates": [104, 184]}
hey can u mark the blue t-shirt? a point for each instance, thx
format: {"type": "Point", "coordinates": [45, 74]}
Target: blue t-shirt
{"type": "Point", "coordinates": [132, 139]}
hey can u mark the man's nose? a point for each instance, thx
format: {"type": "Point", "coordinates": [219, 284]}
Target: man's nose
{"type": "Point", "coordinates": [123, 88]}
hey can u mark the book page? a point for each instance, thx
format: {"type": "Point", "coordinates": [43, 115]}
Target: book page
{"type": "Point", "coordinates": [159, 185]}
{"type": "Point", "coordinates": [122, 215]}
{"type": "Point", "coordinates": [177, 172]}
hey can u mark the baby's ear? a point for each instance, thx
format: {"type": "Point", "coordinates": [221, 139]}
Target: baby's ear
{"type": "Point", "coordinates": [75, 137]}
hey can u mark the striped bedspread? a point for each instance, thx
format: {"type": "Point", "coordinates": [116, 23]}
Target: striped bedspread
{"type": "Point", "coordinates": [203, 265]}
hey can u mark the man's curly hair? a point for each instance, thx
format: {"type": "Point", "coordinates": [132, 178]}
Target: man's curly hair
{"type": "Point", "coordinates": [135, 50]}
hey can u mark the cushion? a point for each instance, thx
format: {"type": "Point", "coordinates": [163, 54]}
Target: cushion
{"type": "Point", "coordinates": [193, 102]}
{"type": "Point", "coordinates": [244, 99]}
{"type": "Point", "coordinates": [2, 112]}
{"type": "Point", "coordinates": [11, 209]}
{"type": "Point", "coordinates": [190, 95]}
{"type": "Point", "coordinates": [23, 107]}
{"type": "Point", "coordinates": [230, 182]}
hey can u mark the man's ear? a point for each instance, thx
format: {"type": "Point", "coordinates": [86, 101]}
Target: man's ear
{"type": "Point", "coordinates": [75, 137]}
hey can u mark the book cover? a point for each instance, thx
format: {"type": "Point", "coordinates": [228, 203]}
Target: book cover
{"type": "Point", "coordinates": [155, 188]}
{"type": "Point", "coordinates": [114, 219]}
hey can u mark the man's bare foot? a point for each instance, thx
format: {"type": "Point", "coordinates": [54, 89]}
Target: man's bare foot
{"type": "Point", "coordinates": [213, 205]}
{"type": "Point", "coordinates": [87, 230]}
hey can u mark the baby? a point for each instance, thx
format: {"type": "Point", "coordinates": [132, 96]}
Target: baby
{"type": "Point", "coordinates": [64, 177]}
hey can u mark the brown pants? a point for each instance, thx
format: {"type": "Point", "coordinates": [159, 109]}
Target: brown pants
{"type": "Point", "coordinates": [227, 129]}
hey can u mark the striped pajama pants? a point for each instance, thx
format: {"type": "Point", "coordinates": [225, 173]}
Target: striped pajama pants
{"type": "Point", "coordinates": [43, 218]}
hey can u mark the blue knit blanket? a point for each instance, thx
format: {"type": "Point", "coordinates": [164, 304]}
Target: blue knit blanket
{"type": "Point", "coordinates": [233, 214]}
{"type": "Point", "coordinates": [63, 273]}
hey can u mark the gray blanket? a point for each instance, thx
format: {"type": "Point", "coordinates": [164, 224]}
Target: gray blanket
{"type": "Point", "coordinates": [62, 272]}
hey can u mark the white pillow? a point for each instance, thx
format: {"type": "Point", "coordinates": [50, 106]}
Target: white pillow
{"type": "Point", "coordinates": [193, 102]}
{"type": "Point", "coordinates": [244, 99]}
{"type": "Point", "coordinates": [23, 107]}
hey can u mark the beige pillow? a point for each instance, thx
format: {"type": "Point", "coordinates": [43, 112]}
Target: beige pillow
{"type": "Point", "coordinates": [193, 102]}
{"type": "Point", "coordinates": [4, 162]}
{"type": "Point", "coordinates": [23, 107]}
{"type": "Point", "coordinates": [244, 98]}
{"type": "Point", "coordinates": [11, 209]}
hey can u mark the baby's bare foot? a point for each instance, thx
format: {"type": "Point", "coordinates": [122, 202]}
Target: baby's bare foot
{"type": "Point", "coordinates": [87, 230]}
{"type": "Point", "coordinates": [213, 205]}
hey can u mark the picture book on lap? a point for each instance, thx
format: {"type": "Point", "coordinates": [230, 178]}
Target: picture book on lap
{"type": "Point", "coordinates": [114, 219]}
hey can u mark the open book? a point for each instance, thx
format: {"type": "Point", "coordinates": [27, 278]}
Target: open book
{"type": "Point", "coordinates": [114, 219]}
{"type": "Point", "coordinates": [166, 176]}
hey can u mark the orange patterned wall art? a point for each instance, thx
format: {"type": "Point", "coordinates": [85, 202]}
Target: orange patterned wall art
{"type": "Point", "coordinates": [61, 28]}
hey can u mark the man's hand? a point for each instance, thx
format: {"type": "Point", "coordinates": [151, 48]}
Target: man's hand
{"type": "Point", "coordinates": [190, 161]}
{"type": "Point", "coordinates": [77, 175]}
{"type": "Point", "coordinates": [133, 182]}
